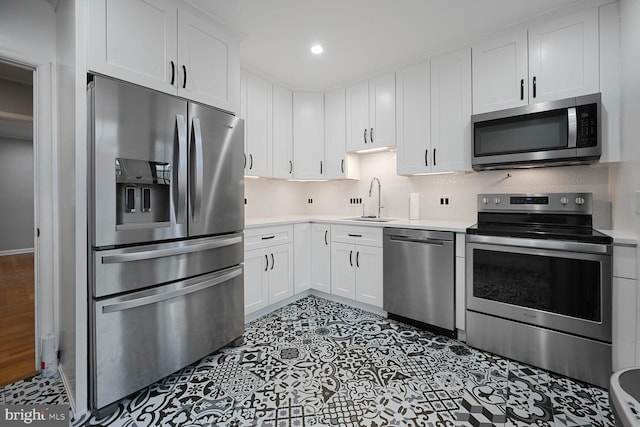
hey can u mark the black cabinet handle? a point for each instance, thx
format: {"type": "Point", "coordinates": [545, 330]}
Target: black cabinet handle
{"type": "Point", "coordinates": [290, 167]}
{"type": "Point", "coordinates": [184, 82]}
{"type": "Point", "coordinates": [320, 167]}
{"type": "Point", "coordinates": [535, 84]}
{"type": "Point", "coordinates": [365, 136]}
{"type": "Point", "coordinates": [342, 165]}
{"type": "Point", "coordinates": [326, 243]}
{"type": "Point", "coordinates": [358, 259]}
{"type": "Point", "coordinates": [273, 261]}
{"type": "Point", "coordinates": [354, 235]}
{"type": "Point", "coordinates": [426, 157]}
{"type": "Point", "coordinates": [250, 161]}
{"type": "Point", "coordinates": [351, 258]}
{"type": "Point", "coordinates": [371, 135]}
{"type": "Point", "coordinates": [521, 89]}
{"type": "Point", "coordinates": [173, 73]}
{"type": "Point", "coordinates": [266, 258]}
{"type": "Point", "coordinates": [269, 237]}
{"type": "Point", "coordinates": [245, 161]}
{"type": "Point", "coordinates": [434, 157]}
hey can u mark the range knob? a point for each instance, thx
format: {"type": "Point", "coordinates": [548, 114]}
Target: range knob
{"type": "Point", "coordinates": [564, 201]}
{"type": "Point", "coordinates": [496, 200]}
{"type": "Point", "coordinates": [485, 200]}
{"type": "Point", "coordinates": [579, 201]}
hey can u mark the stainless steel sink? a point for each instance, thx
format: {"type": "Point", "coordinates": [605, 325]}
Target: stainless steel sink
{"type": "Point", "coordinates": [369, 219]}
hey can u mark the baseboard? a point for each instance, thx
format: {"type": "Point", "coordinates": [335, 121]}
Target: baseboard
{"type": "Point", "coordinates": [67, 388]}
{"type": "Point", "coordinates": [16, 252]}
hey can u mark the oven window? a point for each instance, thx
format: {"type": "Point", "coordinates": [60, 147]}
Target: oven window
{"type": "Point", "coordinates": [533, 132]}
{"type": "Point", "coordinates": [558, 285]}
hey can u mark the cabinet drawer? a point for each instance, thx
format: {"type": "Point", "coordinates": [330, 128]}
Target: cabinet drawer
{"type": "Point", "coordinates": [370, 236]}
{"type": "Point", "coordinates": [256, 238]}
{"type": "Point", "coordinates": [624, 262]}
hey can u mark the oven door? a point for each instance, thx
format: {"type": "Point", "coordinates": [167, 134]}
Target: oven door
{"type": "Point", "coordinates": [564, 286]}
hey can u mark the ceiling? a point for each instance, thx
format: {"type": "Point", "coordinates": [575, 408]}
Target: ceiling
{"type": "Point", "coordinates": [360, 37]}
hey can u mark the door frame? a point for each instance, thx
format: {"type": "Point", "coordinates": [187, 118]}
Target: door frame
{"type": "Point", "coordinates": [45, 196]}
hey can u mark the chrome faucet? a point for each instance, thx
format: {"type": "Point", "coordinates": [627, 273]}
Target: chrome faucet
{"type": "Point", "coordinates": [379, 189]}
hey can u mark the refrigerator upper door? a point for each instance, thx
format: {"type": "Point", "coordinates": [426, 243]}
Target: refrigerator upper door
{"type": "Point", "coordinates": [216, 183]}
{"type": "Point", "coordinates": [139, 150]}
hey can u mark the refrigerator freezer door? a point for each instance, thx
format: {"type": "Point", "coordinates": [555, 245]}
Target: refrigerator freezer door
{"type": "Point", "coordinates": [216, 183]}
{"type": "Point", "coordinates": [129, 269]}
{"type": "Point", "coordinates": [138, 139]}
{"type": "Point", "coordinates": [144, 336]}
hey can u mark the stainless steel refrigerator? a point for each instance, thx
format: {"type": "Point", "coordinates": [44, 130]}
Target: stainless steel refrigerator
{"type": "Point", "coordinates": [166, 274]}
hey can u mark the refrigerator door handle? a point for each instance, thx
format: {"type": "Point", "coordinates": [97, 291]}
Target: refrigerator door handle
{"type": "Point", "coordinates": [198, 173]}
{"type": "Point", "coordinates": [181, 208]}
{"type": "Point", "coordinates": [174, 251]}
{"type": "Point", "coordinates": [151, 299]}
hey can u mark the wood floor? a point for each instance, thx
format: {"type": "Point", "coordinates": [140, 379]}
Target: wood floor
{"type": "Point", "coordinates": [17, 318]}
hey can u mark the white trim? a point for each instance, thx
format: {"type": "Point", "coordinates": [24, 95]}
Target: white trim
{"type": "Point", "coordinates": [16, 252]}
{"type": "Point", "coordinates": [65, 382]}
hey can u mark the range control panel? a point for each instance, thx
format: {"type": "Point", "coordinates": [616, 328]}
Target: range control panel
{"type": "Point", "coordinates": [577, 203]}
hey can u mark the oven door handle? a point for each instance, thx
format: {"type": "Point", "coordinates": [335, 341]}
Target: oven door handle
{"type": "Point", "coordinates": [558, 245]}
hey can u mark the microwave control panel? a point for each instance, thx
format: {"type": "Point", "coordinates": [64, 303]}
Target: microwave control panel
{"type": "Point", "coordinates": [587, 125]}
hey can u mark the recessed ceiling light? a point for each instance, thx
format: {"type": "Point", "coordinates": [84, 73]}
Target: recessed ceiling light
{"type": "Point", "coordinates": [316, 49]}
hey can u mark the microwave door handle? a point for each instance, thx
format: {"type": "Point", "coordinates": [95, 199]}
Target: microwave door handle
{"type": "Point", "coordinates": [181, 208]}
{"type": "Point", "coordinates": [572, 127]}
{"type": "Point", "coordinates": [198, 166]}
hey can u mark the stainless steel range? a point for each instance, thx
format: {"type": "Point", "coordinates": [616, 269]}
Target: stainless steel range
{"type": "Point", "coordinates": [539, 283]}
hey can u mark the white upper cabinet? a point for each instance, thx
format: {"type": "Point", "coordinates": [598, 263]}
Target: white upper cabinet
{"type": "Point", "coordinates": [258, 125]}
{"type": "Point", "coordinates": [500, 74]}
{"type": "Point", "coordinates": [166, 46]}
{"type": "Point", "coordinates": [209, 61]}
{"type": "Point", "coordinates": [371, 114]}
{"type": "Point", "coordinates": [563, 57]}
{"type": "Point", "coordinates": [308, 134]}
{"type": "Point", "coordinates": [282, 132]}
{"type": "Point", "coordinates": [413, 98]}
{"type": "Point", "coordinates": [554, 60]}
{"type": "Point", "coordinates": [338, 164]}
{"type": "Point", "coordinates": [451, 112]}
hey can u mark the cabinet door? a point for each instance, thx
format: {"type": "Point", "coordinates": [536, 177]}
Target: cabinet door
{"type": "Point", "coordinates": [500, 78]}
{"type": "Point", "coordinates": [258, 126]}
{"type": "Point", "coordinates": [135, 40]}
{"type": "Point", "coordinates": [563, 57]}
{"type": "Point", "coordinates": [209, 61]}
{"type": "Point", "coordinates": [357, 111]}
{"type": "Point", "coordinates": [256, 285]}
{"type": "Point", "coordinates": [280, 272]}
{"type": "Point", "coordinates": [308, 134]}
{"type": "Point", "coordinates": [282, 132]}
{"type": "Point", "coordinates": [382, 111]}
{"type": "Point", "coordinates": [338, 164]}
{"type": "Point", "coordinates": [302, 257]}
{"type": "Point", "coordinates": [413, 99]}
{"type": "Point", "coordinates": [343, 273]}
{"type": "Point", "coordinates": [451, 112]}
{"type": "Point", "coordinates": [321, 257]}
{"type": "Point", "coordinates": [368, 262]}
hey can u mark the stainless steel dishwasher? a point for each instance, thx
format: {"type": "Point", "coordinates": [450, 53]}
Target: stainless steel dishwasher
{"type": "Point", "coordinates": [419, 276]}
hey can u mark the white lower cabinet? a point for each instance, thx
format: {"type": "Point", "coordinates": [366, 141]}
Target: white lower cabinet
{"type": "Point", "coordinates": [302, 257]}
{"type": "Point", "coordinates": [625, 299]}
{"type": "Point", "coordinates": [268, 267]}
{"type": "Point", "coordinates": [356, 269]}
{"type": "Point", "coordinates": [321, 257]}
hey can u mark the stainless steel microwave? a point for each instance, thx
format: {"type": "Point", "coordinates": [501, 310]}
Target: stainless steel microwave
{"type": "Point", "coordinates": [548, 133]}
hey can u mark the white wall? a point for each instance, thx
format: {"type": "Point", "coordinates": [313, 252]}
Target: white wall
{"type": "Point", "coordinates": [16, 194]}
{"type": "Point", "coordinates": [271, 197]}
{"type": "Point", "coordinates": [28, 37]}
{"type": "Point", "coordinates": [333, 197]}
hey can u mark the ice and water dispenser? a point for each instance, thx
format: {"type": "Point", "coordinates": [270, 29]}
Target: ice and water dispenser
{"type": "Point", "coordinates": [143, 192]}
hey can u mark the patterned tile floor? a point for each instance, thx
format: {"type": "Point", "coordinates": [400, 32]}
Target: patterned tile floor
{"type": "Point", "coordinates": [321, 363]}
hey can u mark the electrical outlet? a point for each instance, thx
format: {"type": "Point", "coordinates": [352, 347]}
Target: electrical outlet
{"type": "Point", "coordinates": [445, 202]}
{"type": "Point", "coordinates": [310, 201]}
{"type": "Point", "coordinates": [245, 200]}
{"type": "Point", "coordinates": [355, 200]}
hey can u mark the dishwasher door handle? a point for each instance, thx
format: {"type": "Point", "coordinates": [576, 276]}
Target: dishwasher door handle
{"type": "Point", "coordinates": [426, 240]}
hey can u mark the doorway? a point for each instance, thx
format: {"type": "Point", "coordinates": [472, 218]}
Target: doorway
{"type": "Point", "coordinates": [17, 244]}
